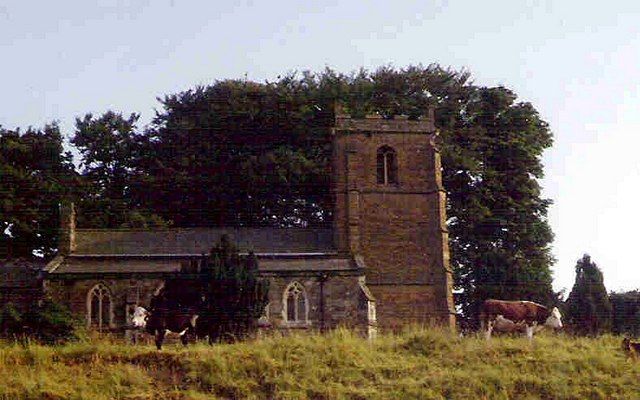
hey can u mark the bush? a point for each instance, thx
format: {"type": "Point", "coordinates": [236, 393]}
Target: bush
{"type": "Point", "coordinates": [48, 322]}
{"type": "Point", "coordinates": [626, 312]}
{"type": "Point", "coordinates": [11, 321]}
{"type": "Point", "coordinates": [52, 323]}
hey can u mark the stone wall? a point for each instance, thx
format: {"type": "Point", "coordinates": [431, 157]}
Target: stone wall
{"type": "Point", "coordinates": [332, 301]}
{"type": "Point", "coordinates": [342, 303]}
{"type": "Point", "coordinates": [74, 294]}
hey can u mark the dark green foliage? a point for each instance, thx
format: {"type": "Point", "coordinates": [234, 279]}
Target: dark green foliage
{"type": "Point", "coordinates": [240, 153]}
{"type": "Point", "coordinates": [181, 293]}
{"type": "Point", "coordinates": [626, 312]}
{"type": "Point", "coordinates": [35, 175]}
{"type": "Point", "coordinates": [589, 310]}
{"type": "Point", "coordinates": [47, 322]}
{"type": "Point", "coordinates": [111, 149]}
{"type": "Point", "coordinates": [51, 323]}
{"type": "Point", "coordinates": [235, 294]}
{"type": "Point", "coordinates": [224, 289]}
{"type": "Point", "coordinates": [11, 322]}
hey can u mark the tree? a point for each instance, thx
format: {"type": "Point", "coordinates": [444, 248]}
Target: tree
{"type": "Point", "coordinates": [235, 294]}
{"type": "Point", "coordinates": [37, 176]}
{"type": "Point", "coordinates": [500, 236]}
{"type": "Point", "coordinates": [110, 147]}
{"type": "Point", "coordinates": [589, 310]}
{"type": "Point", "coordinates": [224, 288]}
{"type": "Point", "coordinates": [239, 153]}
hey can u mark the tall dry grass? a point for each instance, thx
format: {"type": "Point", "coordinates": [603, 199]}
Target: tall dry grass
{"type": "Point", "coordinates": [420, 363]}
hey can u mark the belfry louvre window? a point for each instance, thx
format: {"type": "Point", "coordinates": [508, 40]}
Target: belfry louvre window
{"type": "Point", "coordinates": [387, 166]}
{"type": "Point", "coordinates": [99, 307]}
{"type": "Point", "coordinates": [295, 303]}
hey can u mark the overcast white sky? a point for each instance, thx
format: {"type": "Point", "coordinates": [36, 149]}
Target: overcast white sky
{"type": "Point", "coordinates": [576, 61]}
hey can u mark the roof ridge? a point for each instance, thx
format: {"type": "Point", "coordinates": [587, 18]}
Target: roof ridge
{"type": "Point", "coordinates": [196, 228]}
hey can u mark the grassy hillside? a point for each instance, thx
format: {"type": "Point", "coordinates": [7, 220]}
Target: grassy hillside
{"type": "Point", "coordinates": [417, 364]}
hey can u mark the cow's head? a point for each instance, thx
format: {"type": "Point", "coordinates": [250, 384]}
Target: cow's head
{"type": "Point", "coordinates": [554, 320]}
{"type": "Point", "coordinates": [139, 317]}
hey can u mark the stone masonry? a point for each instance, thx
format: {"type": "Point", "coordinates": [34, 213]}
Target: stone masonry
{"type": "Point", "coordinates": [399, 228]}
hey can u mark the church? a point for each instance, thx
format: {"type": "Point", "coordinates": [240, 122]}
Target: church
{"type": "Point", "coordinates": [384, 263]}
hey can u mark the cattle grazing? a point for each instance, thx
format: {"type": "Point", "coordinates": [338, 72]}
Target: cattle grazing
{"type": "Point", "coordinates": [632, 348]}
{"type": "Point", "coordinates": [161, 321]}
{"type": "Point", "coordinates": [517, 315]}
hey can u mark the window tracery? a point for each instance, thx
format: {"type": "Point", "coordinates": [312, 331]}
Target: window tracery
{"type": "Point", "coordinates": [99, 307]}
{"type": "Point", "coordinates": [296, 305]}
{"type": "Point", "coordinates": [387, 166]}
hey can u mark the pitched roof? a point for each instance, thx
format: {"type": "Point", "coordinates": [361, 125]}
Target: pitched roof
{"type": "Point", "coordinates": [195, 241]}
{"type": "Point", "coordinates": [161, 265]}
{"type": "Point", "coordinates": [120, 265]}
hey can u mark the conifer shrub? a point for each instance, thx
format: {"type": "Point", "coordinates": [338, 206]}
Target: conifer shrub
{"type": "Point", "coordinates": [588, 308]}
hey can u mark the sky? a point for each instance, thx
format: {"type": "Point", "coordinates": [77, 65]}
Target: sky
{"type": "Point", "coordinates": [577, 62]}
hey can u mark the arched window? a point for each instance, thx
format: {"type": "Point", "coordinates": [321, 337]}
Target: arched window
{"type": "Point", "coordinates": [387, 166]}
{"type": "Point", "coordinates": [99, 307]}
{"type": "Point", "coordinates": [296, 306]}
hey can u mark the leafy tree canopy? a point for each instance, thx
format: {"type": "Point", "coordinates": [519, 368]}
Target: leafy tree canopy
{"type": "Point", "coordinates": [110, 147]}
{"type": "Point", "coordinates": [36, 175]}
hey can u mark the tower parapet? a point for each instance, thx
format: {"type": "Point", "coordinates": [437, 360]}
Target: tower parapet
{"type": "Point", "coordinates": [377, 123]}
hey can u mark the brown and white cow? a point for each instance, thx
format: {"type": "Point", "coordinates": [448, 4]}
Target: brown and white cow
{"type": "Point", "coordinates": [521, 314]}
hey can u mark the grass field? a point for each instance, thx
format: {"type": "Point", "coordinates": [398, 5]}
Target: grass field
{"type": "Point", "coordinates": [420, 364]}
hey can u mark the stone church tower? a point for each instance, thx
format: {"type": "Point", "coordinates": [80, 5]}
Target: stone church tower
{"type": "Point", "coordinates": [390, 214]}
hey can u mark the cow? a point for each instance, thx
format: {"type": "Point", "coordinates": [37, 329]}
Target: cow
{"type": "Point", "coordinates": [162, 321]}
{"type": "Point", "coordinates": [137, 324]}
{"type": "Point", "coordinates": [631, 348]}
{"type": "Point", "coordinates": [527, 315]}
{"type": "Point", "coordinates": [139, 317]}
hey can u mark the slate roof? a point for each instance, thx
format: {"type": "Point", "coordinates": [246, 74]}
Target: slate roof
{"type": "Point", "coordinates": [165, 251]}
{"type": "Point", "coordinates": [160, 265]}
{"type": "Point", "coordinates": [120, 265]}
{"type": "Point", "coordinates": [196, 241]}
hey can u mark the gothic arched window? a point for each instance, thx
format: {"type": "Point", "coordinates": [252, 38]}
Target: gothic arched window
{"type": "Point", "coordinates": [387, 166]}
{"type": "Point", "coordinates": [99, 307]}
{"type": "Point", "coordinates": [296, 306]}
